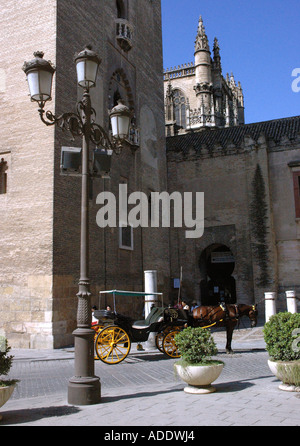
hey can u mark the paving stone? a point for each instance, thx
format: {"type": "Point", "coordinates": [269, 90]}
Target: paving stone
{"type": "Point", "coordinates": [144, 391]}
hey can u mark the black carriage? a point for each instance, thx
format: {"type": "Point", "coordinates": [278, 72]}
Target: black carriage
{"type": "Point", "coordinates": [116, 332]}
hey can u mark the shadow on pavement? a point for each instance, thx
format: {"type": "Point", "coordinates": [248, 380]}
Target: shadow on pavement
{"type": "Point", "coordinates": [233, 386]}
{"type": "Point", "coordinates": [111, 399]}
{"type": "Point", "coordinates": [29, 415]}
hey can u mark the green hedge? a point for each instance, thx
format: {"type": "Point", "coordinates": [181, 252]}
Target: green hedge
{"type": "Point", "coordinates": [281, 343]}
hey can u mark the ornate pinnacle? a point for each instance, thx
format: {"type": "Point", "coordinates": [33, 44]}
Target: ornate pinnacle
{"type": "Point", "coordinates": [201, 39]}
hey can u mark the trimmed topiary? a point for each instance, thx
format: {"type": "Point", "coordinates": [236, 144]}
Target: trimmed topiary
{"type": "Point", "coordinates": [196, 345]}
{"type": "Point", "coordinates": [280, 334]}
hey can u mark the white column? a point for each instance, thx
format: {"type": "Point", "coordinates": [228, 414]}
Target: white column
{"type": "Point", "coordinates": [270, 305]}
{"type": "Point", "coordinates": [291, 302]}
{"type": "Point", "coordinates": [150, 287]}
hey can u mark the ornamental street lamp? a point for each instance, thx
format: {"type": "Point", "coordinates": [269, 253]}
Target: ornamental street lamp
{"type": "Point", "coordinates": [84, 387]}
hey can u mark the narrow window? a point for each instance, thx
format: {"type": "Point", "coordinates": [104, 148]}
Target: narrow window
{"type": "Point", "coordinates": [180, 108]}
{"type": "Point", "coordinates": [121, 13]}
{"type": "Point", "coordinates": [296, 176]}
{"type": "Point", "coordinates": [126, 237]}
{"type": "Point", "coordinates": [3, 176]}
{"type": "Point", "coordinates": [125, 230]}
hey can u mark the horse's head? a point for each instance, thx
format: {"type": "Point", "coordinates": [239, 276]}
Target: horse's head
{"type": "Point", "coordinates": [253, 315]}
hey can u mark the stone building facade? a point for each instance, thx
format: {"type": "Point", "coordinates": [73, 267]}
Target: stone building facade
{"type": "Point", "coordinates": [251, 244]}
{"type": "Point", "coordinates": [40, 208]}
{"type": "Point", "coordinates": [249, 174]}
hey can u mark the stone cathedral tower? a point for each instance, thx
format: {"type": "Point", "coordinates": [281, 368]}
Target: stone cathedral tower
{"type": "Point", "coordinates": [198, 96]}
{"type": "Point", "coordinates": [40, 208]}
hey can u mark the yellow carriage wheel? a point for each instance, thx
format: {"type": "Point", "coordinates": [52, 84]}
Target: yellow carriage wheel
{"type": "Point", "coordinates": [169, 346]}
{"type": "Point", "coordinates": [97, 328]}
{"type": "Point", "coordinates": [112, 345]}
{"type": "Point", "coordinates": [160, 337]}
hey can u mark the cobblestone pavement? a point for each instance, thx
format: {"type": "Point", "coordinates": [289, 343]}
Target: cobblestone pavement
{"type": "Point", "coordinates": [144, 391]}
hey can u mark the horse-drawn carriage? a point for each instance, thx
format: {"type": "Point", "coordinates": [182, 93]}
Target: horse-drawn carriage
{"type": "Point", "coordinates": [115, 332]}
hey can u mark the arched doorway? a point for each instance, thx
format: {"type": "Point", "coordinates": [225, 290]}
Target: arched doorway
{"type": "Point", "coordinates": [217, 265]}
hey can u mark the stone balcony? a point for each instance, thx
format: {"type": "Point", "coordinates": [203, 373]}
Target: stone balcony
{"type": "Point", "coordinates": [124, 34]}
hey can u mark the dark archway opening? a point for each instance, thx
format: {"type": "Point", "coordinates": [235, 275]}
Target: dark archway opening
{"type": "Point", "coordinates": [217, 265]}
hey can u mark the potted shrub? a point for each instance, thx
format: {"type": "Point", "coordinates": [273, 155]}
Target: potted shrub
{"type": "Point", "coordinates": [6, 386]}
{"type": "Point", "coordinates": [196, 368]}
{"type": "Point", "coordinates": [281, 334]}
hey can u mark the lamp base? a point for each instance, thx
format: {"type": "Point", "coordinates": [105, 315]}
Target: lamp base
{"type": "Point", "coordinates": [84, 391]}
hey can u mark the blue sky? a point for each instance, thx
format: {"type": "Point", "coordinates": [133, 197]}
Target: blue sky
{"type": "Point", "coordinates": [259, 42]}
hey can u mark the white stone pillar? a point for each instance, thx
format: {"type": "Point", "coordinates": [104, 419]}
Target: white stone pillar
{"type": "Point", "coordinates": [270, 305]}
{"type": "Point", "coordinates": [291, 302]}
{"type": "Point", "coordinates": [150, 287]}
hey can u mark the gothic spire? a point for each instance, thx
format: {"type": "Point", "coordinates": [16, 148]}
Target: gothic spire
{"type": "Point", "coordinates": [201, 28]}
{"type": "Point", "coordinates": [201, 39]}
{"type": "Point", "coordinates": [217, 57]}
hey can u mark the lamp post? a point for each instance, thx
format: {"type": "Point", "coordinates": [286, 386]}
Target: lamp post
{"type": "Point", "coordinates": [84, 387]}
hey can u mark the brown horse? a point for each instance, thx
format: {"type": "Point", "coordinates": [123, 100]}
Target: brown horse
{"type": "Point", "coordinates": [224, 316]}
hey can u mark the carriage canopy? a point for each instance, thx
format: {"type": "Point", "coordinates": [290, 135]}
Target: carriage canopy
{"type": "Point", "coordinates": [148, 302]}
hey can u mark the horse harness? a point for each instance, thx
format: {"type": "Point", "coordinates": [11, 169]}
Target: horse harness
{"type": "Point", "coordinates": [227, 316]}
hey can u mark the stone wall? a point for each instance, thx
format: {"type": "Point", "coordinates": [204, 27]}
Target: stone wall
{"type": "Point", "coordinates": [287, 226]}
{"type": "Point", "coordinates": [40, 226]}
{"type": "Point", "coordinates": [27, 207]}
{"type": "Point", "coordinates": [249, 207]}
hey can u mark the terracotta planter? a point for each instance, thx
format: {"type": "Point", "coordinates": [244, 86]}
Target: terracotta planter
{"type": "Point", "coordinates": [199, 377]}
{"type": "Point", "coordinates": [285, 372]}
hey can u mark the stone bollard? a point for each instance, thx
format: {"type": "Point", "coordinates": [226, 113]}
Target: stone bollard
{"type": "Point", "coordinates": [270, 305]}
{"type": "Point", "coordinates": [291, 302]}
{"type": "Point", "coordinates": [150, 287]}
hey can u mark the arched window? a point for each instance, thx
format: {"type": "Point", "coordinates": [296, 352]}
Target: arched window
{"type": "Point", "coordinates": [119, 88]}
{"type": "Point", "coordinates": [180, 108]}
